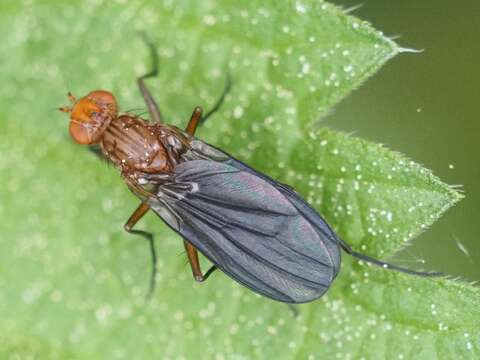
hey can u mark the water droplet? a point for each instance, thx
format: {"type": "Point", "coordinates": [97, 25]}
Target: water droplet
{"type": "Point", "coordinates": [306, 68]}
{"type": "Point", "coordinates": [301, 8]}
{"type": "Point", "coordinates": [178, 316]}
{"type": "Point", "coordinates": [209, 20]}
{"type": "Point", "coordinates": [272, 330]}
{"type": "Point", "coordinates": [238, 112]}
{"type": "Point", "coordinates": [103, 313]}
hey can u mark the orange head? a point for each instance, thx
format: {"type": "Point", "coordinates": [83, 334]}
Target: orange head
{"type": "Point", "coordinates": [90, 116]}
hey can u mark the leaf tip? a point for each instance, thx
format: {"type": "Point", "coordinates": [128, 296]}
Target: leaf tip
{"type": "Point", "coordinates": [401, 49]}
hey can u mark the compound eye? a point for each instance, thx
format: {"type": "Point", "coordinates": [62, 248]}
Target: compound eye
{"type": "Point", "coordinates": [91, 115]}
{"type": "Point", "coordinates": [80, 133]}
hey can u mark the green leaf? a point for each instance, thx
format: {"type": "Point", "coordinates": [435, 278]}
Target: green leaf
{"type": "Point", "coordinates": [73, 283]}
{"type": "Point", "coordinates": [376, 198]}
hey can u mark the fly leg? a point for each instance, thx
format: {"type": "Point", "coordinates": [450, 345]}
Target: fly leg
{"type": "Point", "coordinates": [192, 254]}
{"type": "Point", "coordinates": [226, 90]}
{"type": "Point", "coordinates": [141, 210]}
{"type": "Point", "coordinates": [197, 118]}
{"type": "Point", "coordinates": [293, 309]}
{"type": "Point", "coordinates": [151, 104]}
{"type": "Point", "coordinates": [194, 121]}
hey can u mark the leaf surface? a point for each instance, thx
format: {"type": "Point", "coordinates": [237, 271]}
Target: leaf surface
{"type": "Point", "coordinates": [73, 283]}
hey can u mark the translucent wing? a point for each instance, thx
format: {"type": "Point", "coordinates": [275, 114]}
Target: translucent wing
{"type": "Point", "coordinates": [255, 230]}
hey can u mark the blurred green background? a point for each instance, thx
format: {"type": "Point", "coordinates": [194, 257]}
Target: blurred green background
{"type": "Point", "coordinates": [426, 106]}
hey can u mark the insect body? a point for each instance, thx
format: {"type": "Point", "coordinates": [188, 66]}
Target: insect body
{"type": "Point", "coordinates": [256, 230]}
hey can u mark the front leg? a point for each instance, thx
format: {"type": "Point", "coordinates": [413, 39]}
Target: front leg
{"type": "Point", "coordinates": [151, 104]}
{"type": "Point", "coordinates": [141, 210]}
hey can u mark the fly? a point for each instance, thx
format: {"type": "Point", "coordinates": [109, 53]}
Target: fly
{"type": "Point", "coordinates": [256, 230]}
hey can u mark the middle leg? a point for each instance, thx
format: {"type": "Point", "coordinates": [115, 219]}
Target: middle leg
{"type": "Point", "coordinates": [197, 119]}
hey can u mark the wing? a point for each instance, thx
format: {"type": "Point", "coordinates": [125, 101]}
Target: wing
{"type": "Point", "coordinates": [250, 229]}
{"type": "Point", "coordinates": [202, 150]}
